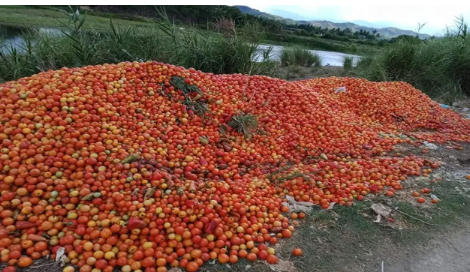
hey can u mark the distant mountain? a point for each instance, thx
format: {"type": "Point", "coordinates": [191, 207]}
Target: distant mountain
{"type": "Point", "coordinates": [385, 32]}
{"type": "Point", "coordinates": [289, 15]}
{"type": "Point", "coordinates": [255, 12]}
{"type": "Point", "coordinates": [370, 24]}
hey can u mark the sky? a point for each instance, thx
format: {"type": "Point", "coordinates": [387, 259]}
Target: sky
{"type": "Point", "coordinates": [437, 18]}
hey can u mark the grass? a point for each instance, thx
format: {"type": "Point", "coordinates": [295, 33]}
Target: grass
{"type": "Point", "coordinates": [296, 60]}
{"type": "Point", "coordinates": [294, 71]}
{"type": "Point", "coordinates": [244, 123]}
{"type": "Point", "coordinates": [451, 211]}
{"type": "Point", "coordinates": [447, 215]}
{"type": "Point", "coordinates": [50, 18]}
{"type": "Point", "coordinates": [452, 208]}
{"type": "Point", "coordinates": [287, 58]}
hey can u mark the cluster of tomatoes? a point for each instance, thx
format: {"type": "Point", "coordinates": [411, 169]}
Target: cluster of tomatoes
{"type": "Point", "coordinates": [121, 168]}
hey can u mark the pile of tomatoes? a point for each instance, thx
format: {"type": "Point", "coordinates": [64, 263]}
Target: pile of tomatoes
{"type": "Point", "coordinates": [116, 165]}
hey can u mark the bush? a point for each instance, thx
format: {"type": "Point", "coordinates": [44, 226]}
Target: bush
{"type": "Point", "coordinates": [266, 68]}
{"type": "Point", "coordinates": [439, 67]}
{"type": "Point", "coordinates": [348, 63]}
{"type": "Point", "coordinates": [364, 62]}
{"type": "Point", "coordinates": [287, 57]}
{"type": "Point", "coordinates": [300, 57]}
{"type": "Point", "coordinates": [306, 58]}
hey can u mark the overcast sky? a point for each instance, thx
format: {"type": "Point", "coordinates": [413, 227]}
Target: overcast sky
{"type": "Point", "coordinates": [404, 17]}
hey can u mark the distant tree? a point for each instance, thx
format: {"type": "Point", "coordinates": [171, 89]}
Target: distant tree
{"type": "Point", "coordinates": [407, 38]}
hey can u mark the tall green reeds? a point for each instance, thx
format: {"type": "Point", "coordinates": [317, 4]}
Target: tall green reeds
{"type": "Point", "coordinates": [439, 67]}
{"type": "Point", "coordinates": [347, 63]}
{"type": "Point", "coordinates": [299, 57]}
{"type": "Point", "coordinates": [230, 50]}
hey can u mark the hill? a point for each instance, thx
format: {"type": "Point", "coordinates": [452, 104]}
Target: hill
{"type": "Point", "coordinates": [255, 12]}
{"type": "Point", "coordinates": [386, 32]}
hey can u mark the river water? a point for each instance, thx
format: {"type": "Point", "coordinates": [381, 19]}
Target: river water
{"type": "Point", "coordinates": [328, 58]}
{"type": "Point", "coordinates": [14, 37]}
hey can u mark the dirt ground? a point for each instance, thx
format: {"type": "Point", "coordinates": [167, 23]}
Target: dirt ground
{"type": "Point", "coordinates": [448, 250]}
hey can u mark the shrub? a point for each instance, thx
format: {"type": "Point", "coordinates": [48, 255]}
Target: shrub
{"type": "Point", "coordinates": [300, 57]}
{"type": "Point", "coordinates": [439, 67]}
{"type": "Point", "coordinates": [348, 63]}
{"type": "Point", "coordinates": [287, 57]}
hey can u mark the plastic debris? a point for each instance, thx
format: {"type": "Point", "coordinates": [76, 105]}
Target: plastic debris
{"type": "Point", "coordinates": [381, 210]}
{"type": "Point", "coordinates": [332, 204]}
{"type": "Point", "coordinates": [430, 145]}
{"type": "Point", "coordinates": [445, 106]}
{"type": "Point", "coordinates": [434, 197]}
{"type": "Point", "coordinates": [378, 218]}
{"type": "Point", "coordinates": [297, 206]}
{"type": "Point", "coordinates": [340, 90]}
{"type": "Point", "coordinates": [60, 255]}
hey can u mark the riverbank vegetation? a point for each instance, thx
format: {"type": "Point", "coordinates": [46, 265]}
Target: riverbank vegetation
{"type": "Point", "coordinates": [438, 67]}
{"type": "Point", "coordinates": [227, 49]}
{"type": "Point", "coordinates": [299, 57]}
{"type": "Point", "coordinates": [199, 17]}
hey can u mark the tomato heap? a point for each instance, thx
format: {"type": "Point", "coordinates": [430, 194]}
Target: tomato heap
{"type": "Point", "coordinates": [139, 165]}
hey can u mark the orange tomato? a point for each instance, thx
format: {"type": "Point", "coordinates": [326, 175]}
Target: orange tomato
{"type": "Point", "coordinates": [25, 261]}
{"type": "Point", "coordinates": [297, 252]}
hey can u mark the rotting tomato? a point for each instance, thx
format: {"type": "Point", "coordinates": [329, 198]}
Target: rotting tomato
{"type": "Point", "coordinates": [421, 199]}
{"type": "Point", "coordinates": [297, 252]}
{"type": "Point", "coordinates": [148, 165]}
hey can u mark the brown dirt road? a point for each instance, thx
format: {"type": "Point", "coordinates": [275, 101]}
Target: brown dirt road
{"type": "Point", "coordinates": [445, 253]}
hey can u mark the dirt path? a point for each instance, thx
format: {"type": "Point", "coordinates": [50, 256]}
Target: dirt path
{"type": "Point", "coordinates": [449, 253]}
{"type": "Point", "coordinates": [446, 251]}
